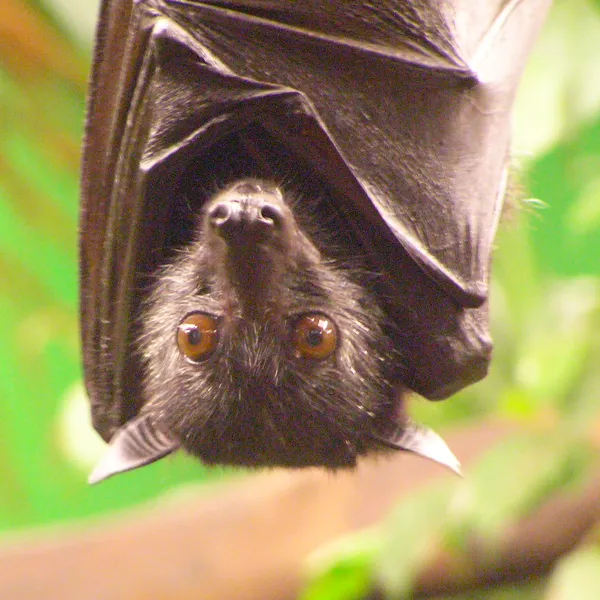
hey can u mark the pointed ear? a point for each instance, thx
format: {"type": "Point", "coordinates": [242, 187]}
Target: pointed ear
{"type": "Point", "coordinates": [424, 442]}
{"type": "Point", "coordinates": [137, 444]}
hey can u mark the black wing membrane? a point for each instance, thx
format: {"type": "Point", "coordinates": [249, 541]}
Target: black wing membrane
{"type": "Point", "coordinates": [402, 108]}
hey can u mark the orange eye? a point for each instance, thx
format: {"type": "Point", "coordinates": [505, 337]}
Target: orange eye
{"type": "Point", "coordinates": [197, 336]}
{"type": "Point", "coordinates": [314, 336]}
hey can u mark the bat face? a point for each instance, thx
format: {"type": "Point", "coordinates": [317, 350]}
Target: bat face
{"type": "Point", "coordinates": [264, 345]}
{"type": "Point", "coordinates": [261, 346]}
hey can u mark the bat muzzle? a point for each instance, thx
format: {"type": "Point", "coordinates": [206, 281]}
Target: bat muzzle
{"type": "Point", "coordinates": [247, 214]}
{"type": "Point", "coordinates": [253, 241]}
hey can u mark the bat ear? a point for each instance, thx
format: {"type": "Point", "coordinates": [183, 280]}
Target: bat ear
{"type": "Point", "coordinates": [424, 442]}
{"type": "Point", "coordinates": [136, 444]}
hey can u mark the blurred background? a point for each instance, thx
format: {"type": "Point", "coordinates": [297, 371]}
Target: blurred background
{"type": "Point", "coordinates": [545, 377]}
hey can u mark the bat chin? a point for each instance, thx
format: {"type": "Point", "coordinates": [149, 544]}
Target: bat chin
{"type": "Point", "coordinates": [332, 455]}
{"type": "Point", "coordinates": [301, 440]}
{"type": "Point", "coordinates": [142, 441]}
{"type": "Point", "coordinates": [269, 426]}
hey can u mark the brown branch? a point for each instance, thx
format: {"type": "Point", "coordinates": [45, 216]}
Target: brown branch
{"type": "Point", "coordinates": [528, 549]}
{"type": "Point", "coordinates": [248, 540]}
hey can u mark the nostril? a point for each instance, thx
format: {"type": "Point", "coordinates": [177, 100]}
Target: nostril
{"type": "Point", "coordinates": [272, 215]}
{"type": "Point", "coordinates": [219, 214]}
{"type": "Point", "coordinates": [237, 217]}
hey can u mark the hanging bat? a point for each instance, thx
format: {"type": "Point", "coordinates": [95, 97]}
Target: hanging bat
{"type": "Point", "coordinates": [288, 210]}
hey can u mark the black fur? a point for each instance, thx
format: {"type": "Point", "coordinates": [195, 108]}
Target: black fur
{"type": "Point", "coordinates": [253, 401]}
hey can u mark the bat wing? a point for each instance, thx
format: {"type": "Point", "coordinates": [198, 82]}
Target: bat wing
{"type": "Point", "coordinates": [401, 107]}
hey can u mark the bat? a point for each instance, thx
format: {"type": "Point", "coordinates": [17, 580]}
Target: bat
{"type": "Point", "coordinates": [288, 211]}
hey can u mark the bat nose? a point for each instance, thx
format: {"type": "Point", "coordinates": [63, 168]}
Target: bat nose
{"type": "Point", "coordinates": [233, 216]}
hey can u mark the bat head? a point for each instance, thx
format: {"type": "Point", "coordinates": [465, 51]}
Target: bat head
{"type": "Point", "coordinates": [262, 345]}
{"type": "Point", "coordinates": [260, 348]}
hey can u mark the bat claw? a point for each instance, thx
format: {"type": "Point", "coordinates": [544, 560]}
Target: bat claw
{"type": "Point", "coordinates": [424, 442]}
{"type": "Point", "coordinates": [136, 444]}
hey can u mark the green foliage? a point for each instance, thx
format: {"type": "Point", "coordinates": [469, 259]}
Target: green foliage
{"type": "Point", "coordinates": [576, 577]}
{"type": "Point", "coordinates": [409, 538]}
{"type": "Point", "coordinates": [342, 570]}
{"type": "Point", "coordinates": [530, 590]}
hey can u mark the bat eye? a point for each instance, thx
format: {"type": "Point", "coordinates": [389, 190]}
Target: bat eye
{"type": "Point", "coordinates": [314, 336]}
{"type": "Point", "coordinates": [197, 336]}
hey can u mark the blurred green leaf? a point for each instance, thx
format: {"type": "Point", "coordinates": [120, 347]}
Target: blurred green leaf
{"type": "Point", "coordinates": [561, 87]}
{"type": "Point", "coordinates": [411, 536]}
{"type": "Point", "coordinates": [514, 478]}
{"type": "Point", "coordinates": [553, 357]}
{"type": "Point", "coordinates": [584, 215]}
{"type": "Point", "coordinates": [343, 570]}
{"type": "Point", "coordinates": [527, 590]}
{"type": "Point", "coordinates": [565, 179]}
{"type": "Point", "coordinates": [576, 577]}
{"type": "Point", "coordinates": [79, 17]}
